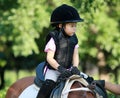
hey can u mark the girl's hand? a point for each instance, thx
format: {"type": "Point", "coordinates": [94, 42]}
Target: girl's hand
{"type": "Point", "coordinates": [64, 72]}
{"type": "Point", "coordinates": [75, 71]}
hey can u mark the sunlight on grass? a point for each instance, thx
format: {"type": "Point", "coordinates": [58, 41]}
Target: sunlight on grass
{"type": "Point", "coordinates": [12, 76]}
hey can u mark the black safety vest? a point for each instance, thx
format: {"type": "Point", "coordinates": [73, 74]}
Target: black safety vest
{"type": "Point", "coordinates": [64, 48]}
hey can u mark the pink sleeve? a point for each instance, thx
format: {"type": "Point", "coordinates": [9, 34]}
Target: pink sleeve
{"type": "Point", "coordinates": [50, 45]}
{"type": "Point", "coordinates": [76, 46]}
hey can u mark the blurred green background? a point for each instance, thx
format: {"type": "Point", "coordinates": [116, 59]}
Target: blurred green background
{"type": "Point", "coordinates": [24, 25]}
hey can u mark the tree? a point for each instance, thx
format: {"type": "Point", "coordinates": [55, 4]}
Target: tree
{"type": "Point", "coordinates": [21, 23]}
{"type": "Point", "coordinates": [100, 36]}
{"type": "Point", "coordinates": [24, 25]}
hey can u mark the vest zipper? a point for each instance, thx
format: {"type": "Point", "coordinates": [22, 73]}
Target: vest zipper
{"type": "Point", "coordinates": [66, 64]}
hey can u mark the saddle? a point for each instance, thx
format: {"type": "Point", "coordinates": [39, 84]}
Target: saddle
{"type": "Point", "coordinates": [40, 72]}
{"type": "Point", "coordinates": [63, 88]}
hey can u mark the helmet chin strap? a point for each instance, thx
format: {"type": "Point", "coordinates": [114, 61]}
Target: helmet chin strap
{"type": "Point", "coordinates": [63, 31]}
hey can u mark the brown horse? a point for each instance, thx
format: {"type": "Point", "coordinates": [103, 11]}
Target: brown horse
{"type": "Point", "coordinates": [19, 86]}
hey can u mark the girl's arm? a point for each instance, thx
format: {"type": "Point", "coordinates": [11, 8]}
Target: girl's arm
{"type": "Point", "coordinates": [51, 60]}
{"type": "Point", "coordinates": [114, 88]}
{"type": "Point", "coordinates": [75, 57]}
{"type": "Point", "coordinates": [50, 50]}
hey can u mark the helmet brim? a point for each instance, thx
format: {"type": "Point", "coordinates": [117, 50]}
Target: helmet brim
{"type": "Point", "coordinates": [68, 21]}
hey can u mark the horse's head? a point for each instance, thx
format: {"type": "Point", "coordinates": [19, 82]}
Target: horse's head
{"type": "Point", "coordinates": [78, 90]}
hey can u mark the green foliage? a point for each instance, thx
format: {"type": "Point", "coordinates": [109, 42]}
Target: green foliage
{"type": "Point", "coordinates": [2, 63]}
{"type": "Point", "coordinates": [24, 21]}
{"type": "Point", "coordinates": [100, 31]}
{"type": "Point", "coordinates": [22, 26]}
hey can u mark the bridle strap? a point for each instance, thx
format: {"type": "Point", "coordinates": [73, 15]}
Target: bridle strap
{"type": "Point", "coordinates": [77, 89]}
{"type": "Point", "coordinates": [80, 89]}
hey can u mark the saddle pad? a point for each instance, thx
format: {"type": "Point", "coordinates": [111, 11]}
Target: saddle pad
{"type": "Point", "coordinates": [30, 92]}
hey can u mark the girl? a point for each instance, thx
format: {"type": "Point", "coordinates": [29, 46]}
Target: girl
{"type": "Point", "coordinates": [61, 48]}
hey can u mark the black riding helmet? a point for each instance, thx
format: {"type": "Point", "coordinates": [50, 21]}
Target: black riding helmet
{"type": "Point", "coordinates": [65, 14]}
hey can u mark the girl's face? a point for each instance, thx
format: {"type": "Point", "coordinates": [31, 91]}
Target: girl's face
{"type": "Point", "coordinates": [70, 28]}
